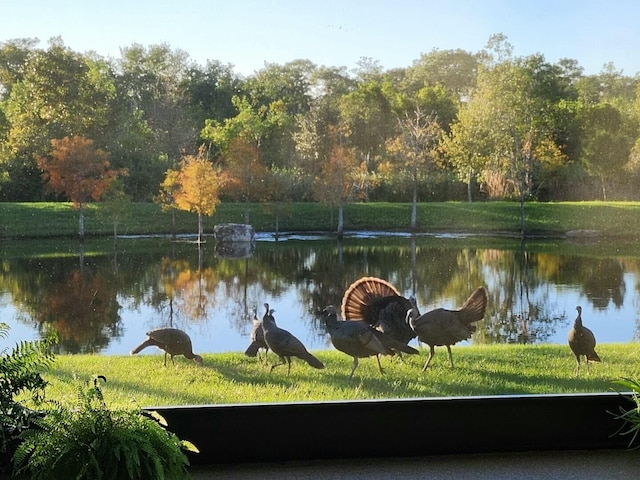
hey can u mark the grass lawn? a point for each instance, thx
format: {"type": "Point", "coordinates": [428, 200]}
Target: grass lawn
{"type": "Point", "coordinates": [38, 220]}
{"type": "Point", "coordinates": [233, 378]}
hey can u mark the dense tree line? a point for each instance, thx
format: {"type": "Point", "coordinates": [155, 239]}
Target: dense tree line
{"type": "Point", "coordinates": [453, 125]}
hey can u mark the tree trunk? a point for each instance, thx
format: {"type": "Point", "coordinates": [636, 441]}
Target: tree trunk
{"type": "Point", "coordinates": [469, 188]}
{"type": "Point", "coordinates": [522, 198]}
{"type": "Point", "coordinates": [340, 230]}
{"type": "Point", "coordinates": [366, 180]}
{"type": "Point", "coordinates": [604, 189]}
{"type": "Point", "coordinates": [81, 221]}
{"type": "Point", "coordinates": [173, 223]}
{"type": "Point", "coordinates": [522, 222]}
{"type": "Point", "coordinates": [199, 227]}
{"type": "Point", "coordinates": [414, 207]}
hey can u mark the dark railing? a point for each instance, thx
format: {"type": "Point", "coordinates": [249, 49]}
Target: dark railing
{"type": "Point", "coordinates": [279, 432]}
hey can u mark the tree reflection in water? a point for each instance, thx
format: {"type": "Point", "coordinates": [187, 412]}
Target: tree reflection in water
{"type": "Point", "coordinates": [103, 302]}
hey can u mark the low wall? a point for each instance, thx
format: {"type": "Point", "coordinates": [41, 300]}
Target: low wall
{"type": "Point", "coordinates": [398, 428]}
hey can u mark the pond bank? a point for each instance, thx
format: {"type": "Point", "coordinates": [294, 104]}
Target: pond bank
{"type": "Point", "coordinates": [59, 219]}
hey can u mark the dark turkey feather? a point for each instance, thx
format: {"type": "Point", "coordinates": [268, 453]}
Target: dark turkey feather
{"type": "Point", "coordinates": [444, 327]}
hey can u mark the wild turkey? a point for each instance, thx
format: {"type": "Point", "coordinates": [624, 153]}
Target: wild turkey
{"type": "Point", "coordinates": [582, 341]}
{"type": "Point", "coordinates": [442, 327]}
{"type": "Point", "coordinates": [257, 340]}
{"type": "Point", "coordinates": [285, 344]}
{"type": "Point", "coordinates": [172, 341]}
{"type": "Point", "coordinates": [358, 339]}
{"type": "Point", "coordinates": [379, 304]}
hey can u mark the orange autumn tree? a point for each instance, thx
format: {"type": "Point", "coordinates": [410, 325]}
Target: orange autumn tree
{"type": "Point", "coordinates": [194, 186]}
{"type": "Point", "coordinates": [79, 171]}
{"type": "Point", "coordinates": [247, 174]}
{"type": "Point", "coordinates": [338, 181]}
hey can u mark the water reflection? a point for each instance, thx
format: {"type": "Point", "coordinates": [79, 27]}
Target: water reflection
{"type": "Point", "coordinates": [103, 298]}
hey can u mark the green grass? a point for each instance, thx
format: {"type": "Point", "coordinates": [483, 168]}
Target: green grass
{"type": "Point", "coordinates": [38, 220]}
{"type": "Point", "coordinates": [231, 378]}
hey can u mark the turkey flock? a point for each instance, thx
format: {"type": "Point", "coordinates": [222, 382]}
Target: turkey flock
{"type": "Point", "coordinates": [376, 321]}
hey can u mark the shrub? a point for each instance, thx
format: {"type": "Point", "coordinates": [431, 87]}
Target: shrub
{"type": "Point", "coordinates": [20, 373]}
{"type": "Point", "coordinates": [90, 441]}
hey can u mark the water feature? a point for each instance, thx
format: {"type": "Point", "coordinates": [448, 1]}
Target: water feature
{"type": "Point", "coordinates": [102, 296]}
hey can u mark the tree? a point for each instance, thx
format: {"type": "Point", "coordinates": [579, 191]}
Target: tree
{"type": "Point", "coordinates": [169, 187]}
{"type": "Point", "coordinates": [314, 135]}
{"type": "Point", "coordinates": [455, 70]}
{"type": "Point", "coordinates": [114, 204]}
{"type": "Point", "coordinates": [194, 186]}
{"type": "Point", "coordinates": [13, 56]}
{"type": "Point", "coordinates": [57, 93]}
{"type": "Point", "coordinates": [468, 146]}
{"type": "Point", "coordinates": [338, 180]}
{"type": "Point", "coordinates": [79, 171]}
{"type": "Point", "coordinates": [607, 143]}
{"type": "Point", "coordinates": [417, 144]}
{"type": "Point", "coordinates": [511, 123]}
{"type": "Point", "coordinates": [367, 118]}
{"type": "Point", "coordinates": [246, 173]}
{"type": "Point", "coordinates": [154, 80]}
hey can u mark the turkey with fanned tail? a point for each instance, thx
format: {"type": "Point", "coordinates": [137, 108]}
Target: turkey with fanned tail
{"type": "Point", "coordinates": [378, 303]}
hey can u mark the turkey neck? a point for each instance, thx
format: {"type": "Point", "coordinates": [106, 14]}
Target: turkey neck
{"type": "Point", "coordinates": [578, 322]}
{"type": "Point", "coordinates": [331, 320]}
{"type": "Point", "coordinates": [268, 322]}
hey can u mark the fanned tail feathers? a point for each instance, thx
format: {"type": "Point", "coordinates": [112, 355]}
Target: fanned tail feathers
{"type": "Point", "coordinates": [361, 294]}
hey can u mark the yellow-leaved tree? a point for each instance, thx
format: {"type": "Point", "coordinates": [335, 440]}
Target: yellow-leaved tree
{"type": "Point", "coordinates": [194, 186]}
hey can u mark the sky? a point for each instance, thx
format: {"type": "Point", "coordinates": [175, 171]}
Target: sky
{"type": "Point", "coordinates": [335, 33]}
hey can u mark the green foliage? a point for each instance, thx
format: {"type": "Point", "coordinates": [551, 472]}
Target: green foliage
{"type": "Point", "coordinates": [515, 122]}
{"type": "Point", "coordinates": [630, 417]}
{"type": "Point", "coordinates": [90, 441]}
{"type": "Point", "coordinates": [20, 374]}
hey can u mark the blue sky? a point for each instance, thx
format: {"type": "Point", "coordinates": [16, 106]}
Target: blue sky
{"type": "Point", "coordinates": [248, 33]}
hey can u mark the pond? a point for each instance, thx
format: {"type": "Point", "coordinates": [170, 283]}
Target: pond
{"type": "Point", "coordinates": [101, 296]}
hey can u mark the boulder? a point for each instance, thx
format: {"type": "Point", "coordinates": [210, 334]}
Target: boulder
{"type": "Point", "coordinates": [234, 232]}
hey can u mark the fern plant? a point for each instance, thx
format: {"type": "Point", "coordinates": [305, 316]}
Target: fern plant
{"type": "Point", "coordinates": [20, 373]}
{"type": "Point", "coordinates": [90, 441]}
{"type": "Point", "coordinates": [630, 417]}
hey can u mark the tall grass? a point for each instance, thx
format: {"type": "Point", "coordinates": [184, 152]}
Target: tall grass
{"type": "Point", "coordinates": [230, 378]}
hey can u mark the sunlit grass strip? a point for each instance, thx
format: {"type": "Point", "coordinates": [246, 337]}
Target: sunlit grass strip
{"type": "Point", "coordinates": [231, 378]}
{"type": "Point", "coordinates": [51, 219]}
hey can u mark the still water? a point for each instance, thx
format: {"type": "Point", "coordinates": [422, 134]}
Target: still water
{"type": "Point", "coordinates": [103, 295]}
